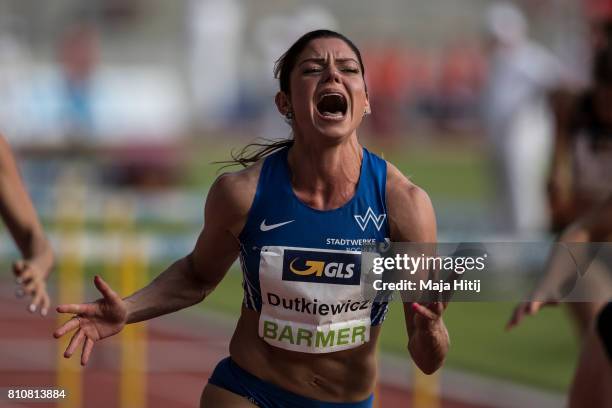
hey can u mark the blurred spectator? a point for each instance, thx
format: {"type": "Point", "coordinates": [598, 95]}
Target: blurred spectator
{"type": "Point", "coordinates": [389, 73]}
{"type": "Point", "coordinates": [423, 98]}
{"type": "Point", "coordinates": [15, 63]}
{"type": "Point", "coordinates": [518, 118]}
{"type": "Point", "coordinates": [460, 84]}
{"type": "Point", "coordinates": [215, 40]}
{"type": "Point", "coordinates": [78, 57]}
{"type": "Point", "coordinates": [411, 86]}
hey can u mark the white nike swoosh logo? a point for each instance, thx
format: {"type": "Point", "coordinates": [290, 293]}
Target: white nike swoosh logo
{"type": "Point", "coordinates": [265, 227]}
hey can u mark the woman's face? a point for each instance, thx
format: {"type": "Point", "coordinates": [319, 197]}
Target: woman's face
{"type": "Point", "coordinates": [328, 93]}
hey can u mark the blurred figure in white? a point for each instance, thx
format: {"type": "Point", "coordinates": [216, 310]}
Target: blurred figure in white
{"type": "Point", "coordinates": [15, 60]}
{"type": "Point", "coordinates": [518, 118]}
{"type": "Point", "coordinates": [215, 35]}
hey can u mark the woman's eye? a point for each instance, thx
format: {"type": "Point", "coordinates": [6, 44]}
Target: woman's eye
{"type": "Point", "coordinates": [314, 70]}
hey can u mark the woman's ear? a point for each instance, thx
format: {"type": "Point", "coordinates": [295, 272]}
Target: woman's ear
{"type": "Point", "coordinates": [282, 103]}
{"type": "Point", "coordinates": [367, 110]}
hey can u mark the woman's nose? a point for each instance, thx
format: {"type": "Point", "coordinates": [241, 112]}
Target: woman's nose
{"type": "Point", "coordinates": [332, 74]}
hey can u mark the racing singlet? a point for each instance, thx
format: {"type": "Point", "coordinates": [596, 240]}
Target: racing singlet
{"type": "Point", "coordinates": [301, 266]}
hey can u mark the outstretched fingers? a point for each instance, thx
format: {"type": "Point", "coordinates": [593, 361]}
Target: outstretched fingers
{"type": "Point", "coordinates": [87, 348]}
{"type": "Point", "coordinates": [106, 290]}
{"type": "Point", "coordinates": [46, 302]}
{"type": "Point", "coordinates": [86, 309]}
{"type": "Point", "coordinates": [525, 308]}
{"type": "Point", "coordinates": [36, 303]}
{"type": "Point", "coordinates": [66, 327]}
{"type": "Point", "coordinates": [534, 307]}
{"type": "Point", "coordinates": [75, 341]}
{"type": "Point", "coordinates": [517, 316]}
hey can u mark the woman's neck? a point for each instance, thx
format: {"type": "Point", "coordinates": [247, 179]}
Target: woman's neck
{"type": "Point", "coordinates": [325, 177]}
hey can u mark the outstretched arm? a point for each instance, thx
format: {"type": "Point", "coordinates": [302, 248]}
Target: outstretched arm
{"type": "Point", "coordinates": [564, 262]}
{"type": "Point", "coordinates": [412, 219]}
{"type": "Point", "coordinates": [190, 279]}
{"type": "Point", "coordinates": [186, 282]}
{"type": "Point", "coordinates": [20, 217]}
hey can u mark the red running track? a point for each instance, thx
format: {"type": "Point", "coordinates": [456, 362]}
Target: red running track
{"type": "Point", "coordinates": [181, 352]}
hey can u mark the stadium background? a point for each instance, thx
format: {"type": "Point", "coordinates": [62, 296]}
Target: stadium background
{"type": "Point", "coordinates": [118, 109]}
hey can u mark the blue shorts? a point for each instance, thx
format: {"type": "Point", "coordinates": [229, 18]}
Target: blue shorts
{"type": "Point", "coordinates": [228, 375]}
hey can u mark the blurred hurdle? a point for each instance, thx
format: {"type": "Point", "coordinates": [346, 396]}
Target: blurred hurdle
{"type": "Point", "coordinates": [426, 389]}
{"type": "Point", "coordinates": [126, 267]}
{"type": "Point", "coordinates": [69, 216]}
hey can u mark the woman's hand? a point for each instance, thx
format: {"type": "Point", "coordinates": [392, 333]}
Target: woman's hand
{"type": "Point", "coordinates": [32, 279]}
{"type": "Point", "coordinates": [93, 321]}
{"type": "Point", "coordinates": [527, 308]}
{"type": "Point", "coordinates": [428, 337]}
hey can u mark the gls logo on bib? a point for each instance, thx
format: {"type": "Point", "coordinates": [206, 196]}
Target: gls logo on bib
{"type": "Point", "coordinates": [321, 267]}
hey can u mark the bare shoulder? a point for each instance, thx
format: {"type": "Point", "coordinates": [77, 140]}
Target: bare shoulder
{"type": "Point", "coordinates": [231, 196]}
{"type": "Point", "coordinates": [410, 211]}
{"type": "Point", "coordinates": [401, 192]}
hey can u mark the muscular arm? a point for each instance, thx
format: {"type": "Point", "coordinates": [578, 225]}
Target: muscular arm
{"type": "Point", "coordinates": [19, 216]}
{"type": "Point", "coordinates": [184, 283]}
{"type": "Point", "coordinates": [190, 279]}
{"type": "Point", "coordinates": [412, 219]}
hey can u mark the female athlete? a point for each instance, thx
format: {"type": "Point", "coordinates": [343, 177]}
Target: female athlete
{"type": "Point", "coordinates": [296, 217]}
{"type": "Point", "coordinates": [591, 383]}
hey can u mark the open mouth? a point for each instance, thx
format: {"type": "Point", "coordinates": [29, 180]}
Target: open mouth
{"type": "Point", "coordinates": [332, 105]}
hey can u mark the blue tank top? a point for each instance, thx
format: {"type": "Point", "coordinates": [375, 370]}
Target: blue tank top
{"type": "Point", "coordinates": [299, 263]}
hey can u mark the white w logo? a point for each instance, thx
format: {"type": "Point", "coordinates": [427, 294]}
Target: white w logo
{"type": "Point", "coordinates": [363, 220]}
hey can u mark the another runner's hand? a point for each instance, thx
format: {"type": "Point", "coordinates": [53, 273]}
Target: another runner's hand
{"type": "Point", "coordinates": [93, 321]}
{"type": "Point", "coordinates": [526, 308]}
{"type": "Point", "coordinates": [32, 282]}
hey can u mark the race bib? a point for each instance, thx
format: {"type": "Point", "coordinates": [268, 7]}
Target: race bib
{"type": "Point", "coordinates": [312, 300]}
